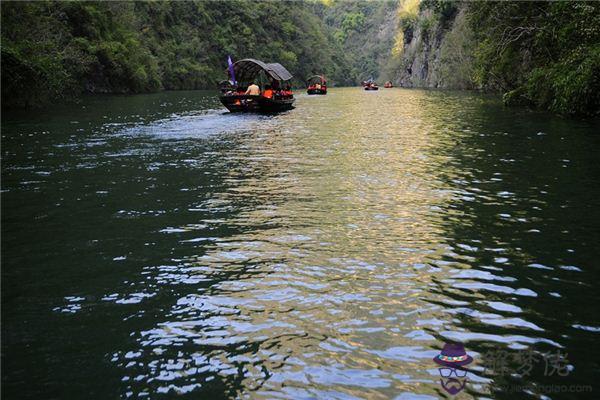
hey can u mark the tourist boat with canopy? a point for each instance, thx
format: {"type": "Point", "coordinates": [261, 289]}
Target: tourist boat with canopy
{"type": "Point", "coordinates": [316, 84]}
{"type": "Point", "coordinates": [370, 85]}
{"type": "Point", "coordinates": [273, 79]}
{"type": "Point", "coordinates": [226, 86]}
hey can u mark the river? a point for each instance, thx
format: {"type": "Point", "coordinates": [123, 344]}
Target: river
{"type": "Point", "coordinates": [155, 245]}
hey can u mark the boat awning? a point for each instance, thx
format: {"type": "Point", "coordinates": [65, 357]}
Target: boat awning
{"type": "Point", "coordinates": [317, 78]}
{"type": "Point", "coordinates": [247, 69]}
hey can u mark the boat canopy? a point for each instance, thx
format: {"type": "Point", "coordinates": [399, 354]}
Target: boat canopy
{"type": "Point", "coordinates": [317, 79]}
{"type": "Point", "coordinates": [247, 69]}
{"type": "Point", "coordinates": [225, 83]}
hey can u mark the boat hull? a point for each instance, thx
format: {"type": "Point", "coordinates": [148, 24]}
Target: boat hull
{"type": "Point", "coordinates": [371, 88]}
{"type": "Point", "coordinates": [260, 104]}
{"type": "Point", "coordinates": [316, 91]}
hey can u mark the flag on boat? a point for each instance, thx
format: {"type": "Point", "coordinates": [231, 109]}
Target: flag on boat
{"type": "Point", "coordinates": [230, 65]}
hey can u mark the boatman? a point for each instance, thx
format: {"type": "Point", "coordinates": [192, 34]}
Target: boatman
{"type": "Point", "coordinates": [253, 90]}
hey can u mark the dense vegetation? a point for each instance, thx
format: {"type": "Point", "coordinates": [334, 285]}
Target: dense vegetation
{"type": "Point", "coordinates": [538, 53]}
{"type": "Point", "coordinates": [546, 54]}
{"type": "Point", "coordinates": [542, 54]}
{"type": "Point", "coordinates": [365, 30]}
{"type": "Point", "coordinates": [54, 50]}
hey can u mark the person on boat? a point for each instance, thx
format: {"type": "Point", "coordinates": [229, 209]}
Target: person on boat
{"type": "Point", "coordinates": [276, 87]}
{"type": "Point", "coordinates": [253, 89]}
{"type": "Point", "coordinates": [268, 93]}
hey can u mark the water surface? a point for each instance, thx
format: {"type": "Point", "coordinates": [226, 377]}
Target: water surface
{"type": "Point", "coordinates": [156, 245]}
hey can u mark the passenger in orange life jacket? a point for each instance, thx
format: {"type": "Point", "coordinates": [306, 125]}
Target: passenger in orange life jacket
{"type": "Point", "coordinates": [268, 93]}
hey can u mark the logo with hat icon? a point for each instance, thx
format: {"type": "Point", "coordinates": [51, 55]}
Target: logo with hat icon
{"type": "Point", "coordinates": [452, 361]}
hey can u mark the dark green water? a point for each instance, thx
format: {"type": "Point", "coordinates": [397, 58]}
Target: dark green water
{"type": "Point", "coordinates": [155, 245]}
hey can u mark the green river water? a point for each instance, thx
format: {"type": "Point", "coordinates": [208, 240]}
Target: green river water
{"type": "Point", "coordinates": [156, 246]}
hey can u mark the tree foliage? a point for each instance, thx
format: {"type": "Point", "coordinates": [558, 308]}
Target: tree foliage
{"type": "Point", "coordinates": [365, 30]}
{"type": "Point", "coordinates": [546, 54]}
{"type": "Point", "coordinates": [538, 53]}
{"type": "Point", "coordinates": [55, 50]}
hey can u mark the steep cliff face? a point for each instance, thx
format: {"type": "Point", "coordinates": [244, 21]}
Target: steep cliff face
{"type": "Point", "coordinates": [539, 54]}
{"type": "Point", "coordinates": [421, 55]}
{"type": "Point", "coordinates": [436, 50]}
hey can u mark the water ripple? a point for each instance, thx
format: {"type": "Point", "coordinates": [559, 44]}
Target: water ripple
{"type": "Point", "coordinates": [327, 252]}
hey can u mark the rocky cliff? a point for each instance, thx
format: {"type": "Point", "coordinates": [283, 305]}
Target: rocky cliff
{"type": "Point", "coordinates": [538, 54]}
{"type": "Point", "coordinates": [434, 49]}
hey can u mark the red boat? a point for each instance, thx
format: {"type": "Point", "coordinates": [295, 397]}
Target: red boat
{"type": "Point", "coordinates": [370, 85]}
{"type": "Point", "coordinates": [261, 104]}
{"type": "Point", "coordinates": [316, 85]}
{"type": "Point", "coordinates": [388, 85]}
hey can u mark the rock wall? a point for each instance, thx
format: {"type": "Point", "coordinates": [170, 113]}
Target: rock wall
{"type": "Point", "coordinates": [420, 56]}
{"type": "Point", "coordinates": [437, 51]}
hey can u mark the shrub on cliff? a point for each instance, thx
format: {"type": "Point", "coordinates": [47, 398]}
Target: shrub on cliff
{"type": "Point", "coordinates": [571, 86]}
{"type": "Point", "coordinates": [545, 54]}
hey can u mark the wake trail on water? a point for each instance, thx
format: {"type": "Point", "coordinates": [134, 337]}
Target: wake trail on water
{"type": "Point", "coordinates": [197, 125]}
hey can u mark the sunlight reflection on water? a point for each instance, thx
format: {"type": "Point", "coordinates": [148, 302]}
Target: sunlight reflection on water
{"type": "Point", "coordinates": [327, 252]}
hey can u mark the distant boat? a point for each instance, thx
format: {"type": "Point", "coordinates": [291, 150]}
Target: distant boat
{"type": "Point", "coordinates": [388, 85]}
{"type": "Point", "coordinates": [316, 84]}
{"type": "Point", "coordinates": [246, 71]}
{"type": "Point", "coordinates": [370, 85]}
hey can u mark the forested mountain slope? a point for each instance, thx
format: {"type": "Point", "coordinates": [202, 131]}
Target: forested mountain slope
{"type": "Point", "coordinates": [366, 31]}
{"type": "Point", "coordinates": [537, 53]}
{"type": "Point", "coordinates": [56, 49]}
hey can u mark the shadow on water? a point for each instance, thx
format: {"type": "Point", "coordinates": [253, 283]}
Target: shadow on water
{"type": "Point", "coordinates": [156, 246]}
{"type": "Point", "coordinates": [119, 196]}
{"type": "Point", "coordinates": [522, 225]}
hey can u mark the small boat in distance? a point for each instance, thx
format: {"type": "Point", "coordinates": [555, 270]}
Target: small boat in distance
{"type": "Point", "coordinates": [388, 85]}
{"type": "Point", "coordinates": [274, 97]}
{"type": "Point", "coordinates": [370, 85]}
{"type": "Point", "coordinates": [316, 84]}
